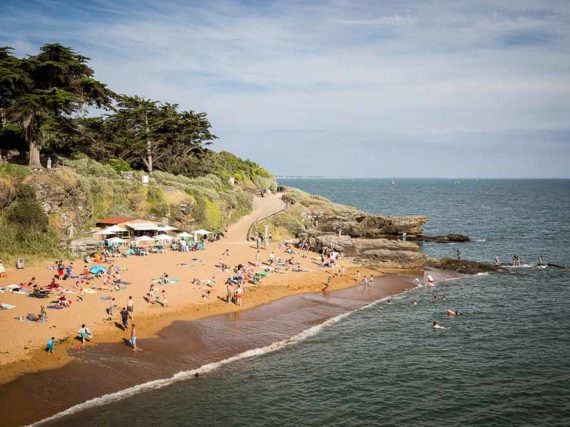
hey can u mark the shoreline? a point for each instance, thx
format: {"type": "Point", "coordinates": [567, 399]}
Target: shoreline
{"type": "Point", "coordinates": [165, 354]}
{"type": "Point", "coordinates": [32, 357]}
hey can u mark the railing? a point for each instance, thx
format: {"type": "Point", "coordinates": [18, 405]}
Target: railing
{"type": "Point", "coordinates": [254, 223]}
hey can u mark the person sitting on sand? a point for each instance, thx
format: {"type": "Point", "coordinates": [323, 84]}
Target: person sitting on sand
{"type": "Point", "coordinates": [84, 333]}
{"type": "Point", "coordinates": [163, 279]}
{"type": "Point", "coordinates": [63, 301]}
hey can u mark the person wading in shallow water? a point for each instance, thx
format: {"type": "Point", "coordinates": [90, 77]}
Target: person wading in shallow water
{"type": "Point", "coordinates": [133, 337]}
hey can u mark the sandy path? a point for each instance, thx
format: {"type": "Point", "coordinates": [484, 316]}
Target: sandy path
{"type": "Point", "coordinates": [262, 208]}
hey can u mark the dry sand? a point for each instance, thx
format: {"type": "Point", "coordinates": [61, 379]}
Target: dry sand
{"type": "Point", "coordinates": [23, 342]}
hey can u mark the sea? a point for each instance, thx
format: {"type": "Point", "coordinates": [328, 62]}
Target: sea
{"type": "Point", "coordinates": [504, 361]}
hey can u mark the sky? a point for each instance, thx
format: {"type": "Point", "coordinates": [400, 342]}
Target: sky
{"type": "Point", "coordinates": [338, 88]}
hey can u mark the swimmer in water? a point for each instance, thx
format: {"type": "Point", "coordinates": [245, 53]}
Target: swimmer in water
{"type": "Point", "coordinates": [437, 326]}
{"type": "Point", "coordinates": [414, 302]}
{"type": "Point", "coordinates": [452, 313]}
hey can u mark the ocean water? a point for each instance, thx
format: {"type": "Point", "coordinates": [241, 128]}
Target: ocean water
{"type": "Point", "coordinates": [503, 361]}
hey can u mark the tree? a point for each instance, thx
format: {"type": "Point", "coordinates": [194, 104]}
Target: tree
{"type": "Point", "coordinates": [154, 134]}
{"type": "Point", "coordinates": [46, 89]}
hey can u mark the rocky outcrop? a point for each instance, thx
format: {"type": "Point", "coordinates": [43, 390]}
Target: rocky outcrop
{"type": "Point", "coordinates": [80, 248]}
{"type": "Point", "coordinates": [7, 193]}
{"type": "Point", "coordinates": [386, 253]}
{"type": "Point", "coordinates": [61, 197]}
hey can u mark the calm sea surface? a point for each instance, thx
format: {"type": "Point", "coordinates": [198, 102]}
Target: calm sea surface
{"type": "Point", "coordinates": [504, 361]}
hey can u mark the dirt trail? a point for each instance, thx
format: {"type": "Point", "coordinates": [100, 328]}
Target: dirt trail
{"type": "Point", "coordinates": [262, 208]}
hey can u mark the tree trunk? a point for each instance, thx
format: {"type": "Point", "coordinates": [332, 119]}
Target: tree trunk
{"type": "Point", "coordinates": [148, 146]}
{"type": "Point", "coordinates": [35, 155]}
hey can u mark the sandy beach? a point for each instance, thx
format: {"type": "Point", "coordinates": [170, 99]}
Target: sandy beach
{"type": "Point", "coordinates": [24, 341]}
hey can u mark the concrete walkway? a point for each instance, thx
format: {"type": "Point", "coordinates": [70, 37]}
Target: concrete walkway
{"type": "Point", "coordinates": [262, 208]}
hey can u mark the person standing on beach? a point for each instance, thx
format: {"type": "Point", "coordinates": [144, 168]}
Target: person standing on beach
{"type": "Point", "coordinates": [111, 308]}
{"type": "Point", "coordinates": [125, 318]}
{"type": "Point", "coordinates": [133, 337]}
{"type": "Point", "coordinates": [131, 306]}
{"type": "Point", "coordinates": [164, 299]}
{"type": "Point", "coordinates": [51, 346]}
{"type": "Point", "coordinates": [238, 295]}
{"type": "Point", "coordinates": [458, 255]}
{"type": "Point", "coordinates": [230, 292]}
{"type": "Point", "coordinates": [151, 296]}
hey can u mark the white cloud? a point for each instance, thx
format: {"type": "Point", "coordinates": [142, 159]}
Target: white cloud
{"type": "Point", "coordinates": [415, 72]}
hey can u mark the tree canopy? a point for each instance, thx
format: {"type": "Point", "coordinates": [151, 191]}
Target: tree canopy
{"type": "Point", "coordinates": [47, 96]}
{"type": "Point", "coordinates": [42, 92]}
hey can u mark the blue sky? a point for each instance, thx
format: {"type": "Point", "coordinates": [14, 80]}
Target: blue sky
{"type": "Point", "coordinates": [338, 88]}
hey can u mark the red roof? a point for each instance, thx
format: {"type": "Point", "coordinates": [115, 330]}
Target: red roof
{"type": "Point", "coordinates": [114, 220]}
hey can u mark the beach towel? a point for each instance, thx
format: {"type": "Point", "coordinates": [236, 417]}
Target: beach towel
{"type": "Point", "coordinates": [4, 306]}
{"type": "Point", "coordinates": [97, 269]}
{"type": "Point", "coordinates": [89, 291]}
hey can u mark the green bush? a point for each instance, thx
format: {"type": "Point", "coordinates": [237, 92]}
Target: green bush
{"type": "Point", "coordinates": [26, 212]}
{"type": "Point", "coordinates": [119, 165]}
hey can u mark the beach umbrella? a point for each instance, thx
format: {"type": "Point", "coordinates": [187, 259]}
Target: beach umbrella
{"type": "Point", "coordinates": [144, 240]}
{"type": "Point", "coordinates": [163, 237]}
{"type": "Point", "coordinates": [114, 240]}
{"type": "Point", "coordinates": [97, 269]}
{"type": "Point", "coordinates": [183, 235]}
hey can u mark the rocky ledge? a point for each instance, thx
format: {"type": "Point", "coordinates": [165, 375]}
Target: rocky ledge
{"type": "Point", "coordinates": [375, 240]}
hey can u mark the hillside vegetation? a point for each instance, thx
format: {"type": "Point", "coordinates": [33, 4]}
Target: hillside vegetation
{"type": "Point", "coordinates": [42, 211]}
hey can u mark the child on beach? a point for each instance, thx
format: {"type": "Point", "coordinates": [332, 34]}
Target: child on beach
{"type": "Point", "coordinates": [151, 296]}
{"type": "Point", "coordinates": [51, 346]}
{"type": "Point", "coordinates": [84, 333]}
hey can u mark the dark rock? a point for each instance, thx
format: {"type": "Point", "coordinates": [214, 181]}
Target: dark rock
{"type": "Point", "coordinates": [463, 266]}
{"type": "Point", "coordinates": [448, 238]}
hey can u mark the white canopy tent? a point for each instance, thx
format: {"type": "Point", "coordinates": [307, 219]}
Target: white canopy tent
{"type": "Point", "coordinates": [183, 235]}
{"type": "Point", "coordinates": [115, 240]}
{"type": "Point", "coordinates": [144, 240]}
{"type": "Point", "coordinates": [165, 228]}
{"type": "Point", "coordinates": [163, 237]}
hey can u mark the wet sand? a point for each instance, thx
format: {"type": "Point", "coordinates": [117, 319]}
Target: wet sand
{"type": "Point", "coordinates": [183, 345]}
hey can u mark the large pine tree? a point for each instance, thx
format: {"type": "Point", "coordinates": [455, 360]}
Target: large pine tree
{"type": "Point", "coordinates": [39, 91]}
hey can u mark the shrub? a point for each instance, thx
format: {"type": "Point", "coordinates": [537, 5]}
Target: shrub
{"type": "Point", "coordinates": [26, 212]}
{"type": "Point", "coordinates": [119, 165]}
